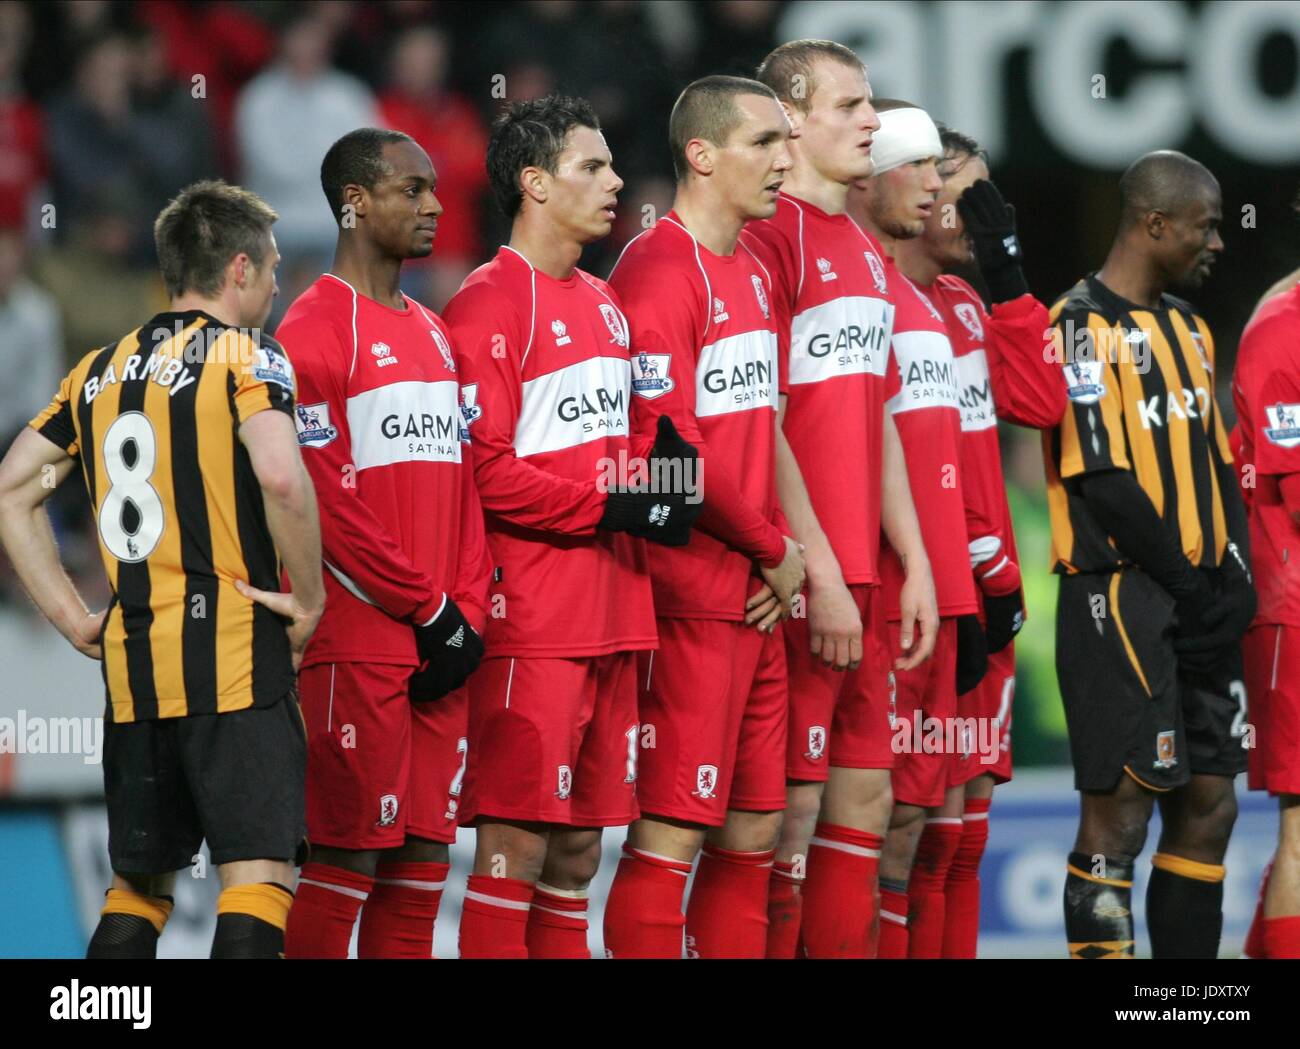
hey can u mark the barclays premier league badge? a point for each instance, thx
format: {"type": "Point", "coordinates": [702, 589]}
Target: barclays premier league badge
{"type": "Point", "coordinates": [650, 375]}
{"type": "Point", "coordinates": [1283, 427]}
{"type": "Point", "coordinates": [1084, 383]}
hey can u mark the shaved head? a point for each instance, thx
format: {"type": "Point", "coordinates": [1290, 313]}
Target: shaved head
{"type": "Point", "coordinates": [1165, 181]}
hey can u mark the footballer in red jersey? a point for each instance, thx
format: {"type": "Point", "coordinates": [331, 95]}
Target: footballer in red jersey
{"type": "Point", "coordinates": [1002, 372]}
{"type": "Point", "coordinates": [842, 483]}
{"type": "Point", "coordinates": [713, 696]}
{"type": "Point", "coordinates": [379, 424]}
{"type": "Point", "coordinates": [1266, 394]}
{"type": "Point", "coordinates": [894, 205]}
{"type": "Point", "coordinates": [553, 730]}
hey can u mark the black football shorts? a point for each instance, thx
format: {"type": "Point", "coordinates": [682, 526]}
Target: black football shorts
{"type": "Point", "coordinates": [236, 779]}
{"type": "Point", "coordinates": [1128, 707]}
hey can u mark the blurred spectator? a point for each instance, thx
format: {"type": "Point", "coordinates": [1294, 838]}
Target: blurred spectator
{"type": "Point", "coordinates": [31, 339]}
{"type": "Point", "coordinates": [285, 120]}
{"type": "Point", "coordinates": [735, 35]}
{"type": "Point", "coordinates": [223, 43]}
{"type": "Point", "coordinates": [22, 126]}
{"type": "Point", "coordinates": [101, 296]}
{"type": "Point", "coordinates": [453, 134]}
{"type": "Point", "coordinates": [172, 125]}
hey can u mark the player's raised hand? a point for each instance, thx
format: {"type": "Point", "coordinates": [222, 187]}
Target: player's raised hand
{"type": "Point", "coordinates": [920, 612]}
{"type": "Point", "coordinates": [835, 626]}
{"type": "Point", "coordinates": [86, 634]}
{"type": "Point", "coordinates": [302, 621]}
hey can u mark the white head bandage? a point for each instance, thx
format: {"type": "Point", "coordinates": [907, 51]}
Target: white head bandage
{"type": "Point", "coordinates": [905, 135]}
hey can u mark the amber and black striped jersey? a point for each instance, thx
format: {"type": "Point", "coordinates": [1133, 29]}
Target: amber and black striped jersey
{"type": "Point", "coordinates": [1141, 398]}
{"type": "Point", "coordinates": [154, 419]}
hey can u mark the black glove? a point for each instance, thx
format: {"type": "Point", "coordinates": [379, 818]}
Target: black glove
{"type": "Point", "coordinates": [991, 225]}
{"type": "Point", "coordinates": [972, 653]}
{"type": "Point", "coordinates": [662, 517]}
{"type": "Point", "coordinates": [449, 650]}
{"type": "Point", "coordinates": [1003, 618]}
{"type": "Point", "coordinates": [1224, 619]}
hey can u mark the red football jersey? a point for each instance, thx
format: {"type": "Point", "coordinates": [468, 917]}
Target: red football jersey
{"type": "Point", "coordinates": [832, 294]}
{"type": "Point", "coordinates": [546, 390]}
{"type": "Point", "coordinates": [1266, 394]}
{"type": "Point", "coordinates": [927, 411]}
{"type": "Point", "coordinates": [704, 353]}
{"type": "Point", "coordinates": [379, 424]}
{"type": "Point", "coordinates": [1002, 373]}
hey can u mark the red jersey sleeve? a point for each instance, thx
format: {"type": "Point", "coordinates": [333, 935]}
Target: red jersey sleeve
{"type": "Point", "coordinates": [491, 340]}
{"type": "Point", "coordinates": [355, 545]}
{"type": "Point", "coordinates": [474, 565]}
{"type": "Point", "coordinates": [1272, 344]}
{"type": "Point", "coordinates": [990, 546]}
{"type": "Point", "coordinates": [1028, 389]}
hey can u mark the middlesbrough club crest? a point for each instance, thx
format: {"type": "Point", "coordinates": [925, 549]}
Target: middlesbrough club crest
{"type": "Point", "coordinates": [387, 811]}
{"type": "Point", "coordinates": [761, 295]}
{"type": "Point", "coordinates": [614, 322]}
{"type": "Point", "coordinates": [877, 271]}
{"type": "Point", "coordinates": [444, 348]}
{"type": "Point", "coordinates": [970, 319]}
{"type": "Point", "coordinates": [816, 742]}
{"type": "Point", "coordinates": [563, 782]}
{"type": "Point", "coordinates": [706, 781]}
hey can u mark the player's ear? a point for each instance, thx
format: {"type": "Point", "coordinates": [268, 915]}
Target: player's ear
{"type": "Point", "coordinates": [699, 155]}
{"type": "Point", "coordinates": [794, 116]}
{"type": "Point", "coordinates": [1155, 224]}
{"type": "Point", "coordinates": [534, 182]}
{"type": "Point", "coordinates": [357, 198]}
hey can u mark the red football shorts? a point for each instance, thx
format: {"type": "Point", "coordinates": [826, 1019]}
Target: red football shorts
{"type": "Point", "coordinates": [713, 711]}
{"type": "Point", "coordinates": [856, 706]}
{"type": "Point", "coordinates": [1272, 657]}
{"type": "Point", "coordinates": [926, 734]}
{"type": "Point", "coordinates": [379, 767]}
{"type": "Point", "coordinates": [984, 717]}
{"type": "Point", "coordinates": [553, 741]}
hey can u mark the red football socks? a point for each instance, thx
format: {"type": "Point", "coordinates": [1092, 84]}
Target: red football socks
{"type": "Point", "coordinates": [784, 910]}
{"type": "Point", "coordinates": [494, 921]}
{"type": "Point", "coordinates": [893, 923]}
{"type": "Point", "coordinates": [1254, 947]}
{"type": "Point", "coordinates": [840, 901]}
{"type": "Point", "coordinates": [324, 910]}
{"type": "Point", "coordinates": [929, 881]}
{"type": "Point", "coordinates": [961, 915]}
{"type": "Point", "coordinates": [727, 914]}
{"type": "Point", "coordinates": [398, 918]}
{"type": "Point", "coordinates": [557, 924]}
{"type": "Point", "coordinates": [1282, 937]}
{"type": "Point", "coordinates": [643, 915]}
